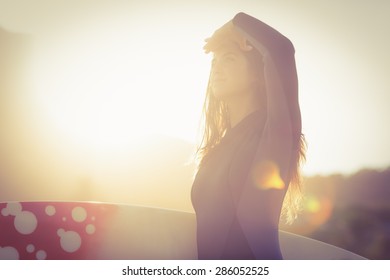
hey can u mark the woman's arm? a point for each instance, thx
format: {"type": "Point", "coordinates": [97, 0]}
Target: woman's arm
{"type": "Point", "coordinates": [281, 89]}
{"type": "Point", "coordinates": [258, 207]}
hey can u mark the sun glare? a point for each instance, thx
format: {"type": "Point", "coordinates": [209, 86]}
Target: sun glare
{"type": "Point", "coordinates": [106, 89]}
{"type": "Point", "coordinates": [112, 110]}
{"type": "Point", "coordinates": [266, 175]}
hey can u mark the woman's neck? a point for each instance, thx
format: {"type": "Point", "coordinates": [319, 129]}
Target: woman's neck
{"type": "Point", "coordinates": [241, 106]}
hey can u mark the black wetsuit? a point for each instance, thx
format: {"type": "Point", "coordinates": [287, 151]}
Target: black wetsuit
{"type": "Point", "coordinates": [235, 218]}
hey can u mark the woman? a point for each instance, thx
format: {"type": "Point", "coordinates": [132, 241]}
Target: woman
{"type": "Point", "coordinates": [252, 145]}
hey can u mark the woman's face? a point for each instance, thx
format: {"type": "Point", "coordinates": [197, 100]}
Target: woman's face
{"type": "Point", "coordinates": [230, 75]}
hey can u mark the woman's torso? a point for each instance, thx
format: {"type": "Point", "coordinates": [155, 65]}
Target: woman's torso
{"type": "Point", "coordinates": [217, 188]}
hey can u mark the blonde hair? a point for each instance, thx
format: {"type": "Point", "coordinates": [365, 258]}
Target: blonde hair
{"type": "Point", "coordinates": [215, 122]}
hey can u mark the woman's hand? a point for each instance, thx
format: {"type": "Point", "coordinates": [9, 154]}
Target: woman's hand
{"type": "Point", "coordinates": [227, 33]}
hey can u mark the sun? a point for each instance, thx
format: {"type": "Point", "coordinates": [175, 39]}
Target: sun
{"type": "Point", "coordinates": [106, 89]}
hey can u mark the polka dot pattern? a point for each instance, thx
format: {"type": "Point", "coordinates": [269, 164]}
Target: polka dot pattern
{"type": "Point", "coordinates": [40, 230]}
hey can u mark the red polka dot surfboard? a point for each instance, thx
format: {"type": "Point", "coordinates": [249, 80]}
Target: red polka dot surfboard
{"type": "Point", "coordinates": [87, 230]}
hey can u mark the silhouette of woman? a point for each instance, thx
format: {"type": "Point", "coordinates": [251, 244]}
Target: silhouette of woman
{"type": "Point", "coordinates": [252, 146]}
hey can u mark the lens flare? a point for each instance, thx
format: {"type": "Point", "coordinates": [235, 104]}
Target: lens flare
{"type": "Point", "coordinates": [317, 211]}
{"type": "Point", "coordinates": [266, 175]}
{"type": "Point", "coordinates": [313, 205]}
{"type": "Point", "coordinates": [320, 210]}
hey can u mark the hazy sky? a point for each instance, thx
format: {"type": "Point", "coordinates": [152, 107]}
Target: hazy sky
{"type": "Point", "coordinates": [341, 53]}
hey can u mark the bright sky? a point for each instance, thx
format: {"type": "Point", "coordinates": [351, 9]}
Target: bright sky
{"type": "Point", "coordinates": [140, 67]}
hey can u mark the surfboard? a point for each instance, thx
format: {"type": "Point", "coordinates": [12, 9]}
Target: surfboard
{"type": "Point", "coordinates": [92, 230]}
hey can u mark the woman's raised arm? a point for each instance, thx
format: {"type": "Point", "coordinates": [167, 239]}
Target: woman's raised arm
{"type": "Point", "coordinates": [258, 206]}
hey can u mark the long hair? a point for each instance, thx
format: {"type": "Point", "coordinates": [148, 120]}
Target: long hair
{"type": "Point", "coordinates": [215, 122]}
